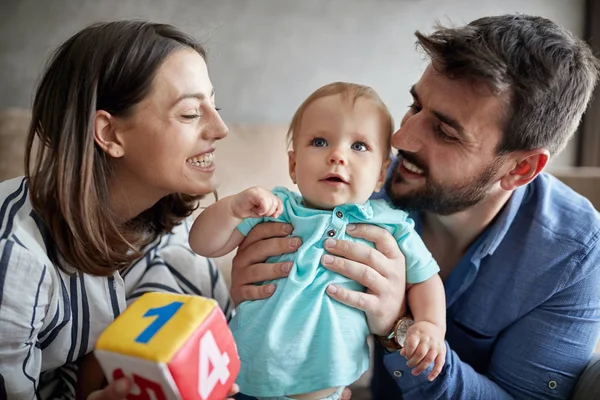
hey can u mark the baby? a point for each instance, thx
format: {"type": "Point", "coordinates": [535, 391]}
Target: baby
{"type": "Point", "coordinates": [300, 343]}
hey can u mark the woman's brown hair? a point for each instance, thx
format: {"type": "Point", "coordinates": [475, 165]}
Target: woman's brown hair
{"type": "Point", "coordinates": [108, 66]}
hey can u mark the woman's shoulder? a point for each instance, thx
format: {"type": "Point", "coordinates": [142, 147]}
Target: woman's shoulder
{"type": "Point", "coordinates": [19, 224]}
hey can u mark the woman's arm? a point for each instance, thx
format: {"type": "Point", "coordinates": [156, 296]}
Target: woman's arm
{"type": "Point", "coordinates": [24, 299]}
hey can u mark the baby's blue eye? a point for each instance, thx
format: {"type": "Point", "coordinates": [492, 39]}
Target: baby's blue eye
{"type": "Point", "coordinates": [319, 142]}
{"type": "Point", "coordinates": [359, 146]}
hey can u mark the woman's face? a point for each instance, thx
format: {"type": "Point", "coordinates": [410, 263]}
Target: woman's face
{"type": "Point", "coordinates": [169, 140]}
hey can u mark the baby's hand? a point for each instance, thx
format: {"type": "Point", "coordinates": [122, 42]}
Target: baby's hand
{"type": "Point", "coordinates": [256, 202]}
{"type": "Point", "coordinates": [425, 344]}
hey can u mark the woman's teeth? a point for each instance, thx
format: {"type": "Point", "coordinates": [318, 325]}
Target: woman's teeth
{"type": "Point", "coordinates": [204, 161]}
{"type": "Point", "coordinates": [412, 167]}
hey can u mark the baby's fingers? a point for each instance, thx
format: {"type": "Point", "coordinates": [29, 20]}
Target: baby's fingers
{"type": "Point", "coordinates": [425, 361]}
{"type": "Point", "coordinates": [437, 367]}
{"type": "Point", "coordinates": [410, 345]}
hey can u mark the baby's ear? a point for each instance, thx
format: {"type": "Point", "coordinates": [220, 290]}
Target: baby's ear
{"type": "Point", "coordinates": [292, 165]}
{"type": "Point", "coordinates": [382, 174]}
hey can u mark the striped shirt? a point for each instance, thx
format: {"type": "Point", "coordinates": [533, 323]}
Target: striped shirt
{"type": "Point", "coordinates": [50, 319]}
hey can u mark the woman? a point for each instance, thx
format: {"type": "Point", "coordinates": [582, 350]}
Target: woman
{"type": "Point", "coordinates": [120, 148]}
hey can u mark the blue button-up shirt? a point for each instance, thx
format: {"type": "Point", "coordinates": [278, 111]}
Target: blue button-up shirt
{"type": "Point", "coordinates": [523, 305]}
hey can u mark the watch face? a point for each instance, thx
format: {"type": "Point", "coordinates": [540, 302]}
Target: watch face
{"type": "Point", "coordinates": [401, 330]}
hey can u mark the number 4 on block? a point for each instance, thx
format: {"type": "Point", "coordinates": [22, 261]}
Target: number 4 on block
{"type": "Point", "coordinates": [172, 347]}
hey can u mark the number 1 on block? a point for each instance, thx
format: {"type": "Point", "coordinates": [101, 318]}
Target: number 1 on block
{"type": "Point", "coordinates": [163, 314]}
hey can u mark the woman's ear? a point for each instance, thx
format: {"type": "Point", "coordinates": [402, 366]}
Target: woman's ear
{"type": "Point", "coordinates": [292, 165]}
{"type": "Point", "coordinates": [382, 175]}
{"type": "Point", "coordinates": [106, 136]}
{"type": "Point", "coordinates": [527, 167]}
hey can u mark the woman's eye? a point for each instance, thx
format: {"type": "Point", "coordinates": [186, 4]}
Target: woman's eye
{"type": "Point", "coordinates": [359, 146]}
{"type": "Point", "coordinates": [319, 142]}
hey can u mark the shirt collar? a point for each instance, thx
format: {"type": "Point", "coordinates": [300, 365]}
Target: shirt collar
{"type": "Point", "coordinates": [362, 212]}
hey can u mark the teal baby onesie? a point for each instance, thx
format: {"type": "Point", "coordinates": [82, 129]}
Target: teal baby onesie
{"type": "Point", "coordinates": [300, 340]}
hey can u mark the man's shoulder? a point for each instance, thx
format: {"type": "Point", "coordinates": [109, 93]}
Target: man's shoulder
{"type": "Point", "coordinates": [559, 212]}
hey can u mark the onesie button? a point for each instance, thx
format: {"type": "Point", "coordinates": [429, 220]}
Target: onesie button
{"type": "Point", "coordinates": [339, 214]}
{"type": "Point", "coordinates": [331, 233]}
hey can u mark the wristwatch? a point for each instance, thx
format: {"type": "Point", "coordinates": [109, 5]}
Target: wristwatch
{"type": "Point", "coordinates": [394, 341]}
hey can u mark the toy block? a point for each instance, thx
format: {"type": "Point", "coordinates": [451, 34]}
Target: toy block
{"type": "Point", "coordinates": [172, 347]}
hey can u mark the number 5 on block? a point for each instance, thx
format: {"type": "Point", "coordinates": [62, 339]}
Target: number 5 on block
{"type": "Point", "coordinates": [172, 347]}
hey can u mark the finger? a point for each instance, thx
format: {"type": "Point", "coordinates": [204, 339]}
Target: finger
{"type": "Point", "coordinates": [420, 353]}
{"type": "Point", "coordinates": [242, 284]}
{"type": "Point", "coordinates": [358, 252]}
{"type": "Point", "coordinates": [410, 345]}
{"type": "Point", "coordinates": [234, 390]}
{"type": "Point", "coordinates": [279, 210]}
{"type": "Point", "coordinates": [437, 367]}
{"type": "Point", "coordinates": [362, 301]}
{"type": "Point", "coordinates": [264, 249]}
{"type": "Point", "coordinates": [117, 389]}
{"type": "Point", "coordinates": [265, 230]}
{"type": "Point", "coordinates": [346, 394]}
{"type": "Point", "coordinates": [358, 272]}
{"type": "Point", "coordinates": [427, 360]}
{"type": "Point", "coordinates": [382, 239]}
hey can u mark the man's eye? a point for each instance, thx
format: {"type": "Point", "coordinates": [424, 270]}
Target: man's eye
{"type": "Point", "coordinates": [414, 107]}
{"type": "Point", "coordinates": [319, 142]}
{"type": "Point", "coordinates": [444, 136]}
{"type": "Point", "coordinates": [191, 116]}
{"type": "Point", "coordinates": [359, 146]}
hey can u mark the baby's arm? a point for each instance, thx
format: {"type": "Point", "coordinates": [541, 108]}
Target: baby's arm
{"type": "Point", "coordinates": [214, 232]}
{"type": "Point", "coordinates": [427, 301]}
{"type": "Point", "coordinates": [425, 339]}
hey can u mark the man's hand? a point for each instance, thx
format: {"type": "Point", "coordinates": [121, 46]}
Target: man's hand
{"type": "Point", "coordinates": [381, 270]}
{"type": "Point", "coordinates": [425, 344]}
{"type": "Point", "coordinates": [264, 240]}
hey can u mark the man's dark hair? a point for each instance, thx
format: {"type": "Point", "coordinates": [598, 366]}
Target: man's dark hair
{"type": "Point", "coordinates": [548, 74]}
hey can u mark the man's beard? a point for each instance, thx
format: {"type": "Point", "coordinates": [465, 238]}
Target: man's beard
{"type": "Point", "coordinates": [441, 199]}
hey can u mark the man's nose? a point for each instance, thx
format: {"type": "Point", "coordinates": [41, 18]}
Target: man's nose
{"type": "Point", "coordinates": [411, 134]}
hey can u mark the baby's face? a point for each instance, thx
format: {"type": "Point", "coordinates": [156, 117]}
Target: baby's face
{"type": "Point", "coordinates": [340, 153]}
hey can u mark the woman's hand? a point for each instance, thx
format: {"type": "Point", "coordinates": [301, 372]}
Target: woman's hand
{"type": "Point", "coordinates": [120, 388]}
{"type": "Point", "coordinates": [381, 270]}
{"type": "Point", "coordinates": [264, 240]}
{"type": "Point", "coordinates": [116, 390]}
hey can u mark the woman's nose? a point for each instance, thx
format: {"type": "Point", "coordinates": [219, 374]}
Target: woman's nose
{"type": "Point", "coordinates": [216, 129]}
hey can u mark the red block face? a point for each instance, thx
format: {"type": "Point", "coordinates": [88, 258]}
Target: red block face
{"type": "Point", "coordinates": [207, 365]}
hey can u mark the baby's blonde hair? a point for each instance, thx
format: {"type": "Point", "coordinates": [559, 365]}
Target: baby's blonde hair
{"type": "Point", "coordinates": [352, 92]}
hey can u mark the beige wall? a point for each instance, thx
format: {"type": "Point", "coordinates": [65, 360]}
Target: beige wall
{"type": "Point", "coordinates": [266, 56]}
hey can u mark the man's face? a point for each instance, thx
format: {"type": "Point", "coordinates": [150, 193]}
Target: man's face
{"type": "Point", "coordinates": [447, 146]}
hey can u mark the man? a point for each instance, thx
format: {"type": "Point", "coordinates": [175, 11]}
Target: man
{"type": "Point", "coordinates": [519, 252]}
